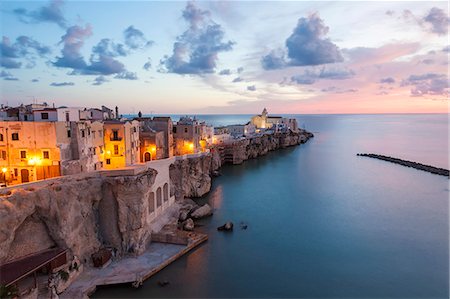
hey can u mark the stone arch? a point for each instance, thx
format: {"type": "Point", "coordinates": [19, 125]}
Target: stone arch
{"type": "Point", "coordinates": [147, 156]}
{"type": "Point", "coordinates": [151, 202]}
{"type": "Point", "coordinates": [158, 197]}
{"type": "Point", "coordinates": [166, 192]}
{"type": "Point", "coordinates": [30, 237]}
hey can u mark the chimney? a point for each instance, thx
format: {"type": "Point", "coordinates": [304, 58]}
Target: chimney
{"type": "Point", "coordinates": [117, 112]}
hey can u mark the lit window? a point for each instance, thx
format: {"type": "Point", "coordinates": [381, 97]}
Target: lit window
{"type": "Point", "coordinates": [23, 154]}
{"type": "Point", "coordinates": [116, 149]}
{"type": "Point", "coordinates": [46, 154]}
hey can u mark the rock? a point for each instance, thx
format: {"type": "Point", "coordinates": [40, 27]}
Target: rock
{"type": "Point", "coordinates": [226, 227]}
{"type": "Point", "coordinates": [201, 212]}
{"type": "Point", "coordinates": [243, 225]}
{"type": "Point", "coordinates": [183, 216]}
{"type": "Point", "coordinates": [188, 225]}
{"type": "Point", "coordinates": [215, 173]}
{"type": "Point", "coordinates": [163, 283]}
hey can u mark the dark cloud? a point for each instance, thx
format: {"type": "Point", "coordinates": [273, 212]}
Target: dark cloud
{"type": "Point", "coordinates": [50, 13]}
{"type": "Point", "coordinates": [238, 79]}
{"type": "Point", "coordinates": [388, 80]}
{"type": "Point", "coordinates": [135, 39]}
{"type": "Point", "coordinates": [446, 49]}
{"type": "Point", "coordinates": [251, 88]}
{"type": "Point", "coordinates": [438, 20]}
{"type": "Point", "coordinates": [61, 84]}
{"type": "Point", "coordinates": [7, 76]}
{"type": "Point", "coordinates": [24, 47]}
{"type": "Point", "coordinates": [307, 45]}
{"type": "Point", "coordinates": [107, 47]}
{"type": "Point", "coordinates": [196, 50]}
{"type": "Point", "coordinates": [428, 84]}
{"type": "Point", "coordinates": [126, 75]}
{"type": "Point", "coordinates": [240, 70]}
{"type": "Point", "coordinates": [276, 59]}
{"type": "Point", "coordinates": [73, 41]}
{"type": "Point", "coordinates": [390, 12]}
{"type": "Point", "coordinates": [148, 65]}
{"type": "Point", "coordinates": [225, 72]}
{"type": "Point", "coordinates": [100, 80]}
{"type": "Point", "coordinates": [427, 61]}
{"type": "Point", "coordinates": [310, 76]}
{"type": "Point", "coordinates": [35, 80]}
{"type": "Point", "coordinates": [334, 89]}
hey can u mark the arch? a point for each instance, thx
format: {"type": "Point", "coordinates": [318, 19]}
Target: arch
{"type": "Point", "coordinates": [147, 156]}
{"type": "Point", "coordinates": [151, 203]}
{"type": "Point", "coordinates": [166, 192]}
{"type": "Point", "coordinates": [158, 197]}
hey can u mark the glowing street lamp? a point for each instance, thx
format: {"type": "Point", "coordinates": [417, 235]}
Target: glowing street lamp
{"type": "Point", "coordinates": [4, 169]}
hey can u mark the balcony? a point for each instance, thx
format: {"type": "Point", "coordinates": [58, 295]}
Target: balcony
{"type": "Point", "coordinates": [113, 137]}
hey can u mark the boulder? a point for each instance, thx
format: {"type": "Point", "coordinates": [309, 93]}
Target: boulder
{"type": "Point", "coordinates": [201, 212]}
{"type": "Point", "coordinates": [183, 216]}
{"type": "Point", "coordinates": [188, 225]}
{"type": "Point", "coordinates": [226, 227]}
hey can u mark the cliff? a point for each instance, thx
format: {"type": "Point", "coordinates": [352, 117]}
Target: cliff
{"type": "Point", "coordinates": [241, 150]}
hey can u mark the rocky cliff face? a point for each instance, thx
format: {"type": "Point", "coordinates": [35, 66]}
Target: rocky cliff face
{"type": "Point", "coordinates": [191, 177]}
{"type": "Point", "coordinates": [242, 150]}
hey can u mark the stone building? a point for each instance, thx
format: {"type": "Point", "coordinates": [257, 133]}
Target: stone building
{"type": "Point", "coordinates": [159, 124]}
{"type": "Point", "coordinates": [187, 136]}
{"type": "Point", "coordinates": [276, 123]}
{"type": "Point", "coordinates": [121, 143]}
{"type": "Point", "coordinates": [152, 145]}
{"type": "Point", "coordinates": [31, 151]}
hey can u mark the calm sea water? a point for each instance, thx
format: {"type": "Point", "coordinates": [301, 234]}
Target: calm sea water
{"type": "Point", "coordinates": [323, 222]}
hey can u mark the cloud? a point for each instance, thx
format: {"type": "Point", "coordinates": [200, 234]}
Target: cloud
{"type": "Point", "coordinates": [334, 89]}
{"type": "Point", "coordinates": [388, 80]}
{"type": "Point", "coordinates": [390, 12]}
{"type": "Point", "coordinates": [35, 80]}
{"type": "Point", "coordinates": [251, 88]}
{"type": "Point", "coordinates": [23, 48]}
{"type": "Point", "coordinates": [310, 76]}
{"type": "Point", "coordinates": [225, 72]}
{"type": "Point", "coordinates": [50, 13]}
{"type": "Point", "coordinates": [100, 80]}
{"type": "Point", "coordinates": [148, 65]}
{"type": "Point", "coordinates": [196, 50]}
{"type": "Point", "coordinates": [237, 79]}
{"type": "Point", "coordinates": [438, 20]}
{"type": "Point", "coordinates": [446, 49]}
{"type": "Point", "coordinates": [126, 75]}
{"type": "Point", "coordinates": [427, 84]}
{"type": "Point", "coordinates": [102, 60]}
{"type": "Point", "coordinates": [7, 76]}
{"type": "Point", "coordinates": [135, 39]}
{"type": "Point", "coordinates": [306, 46]}
{"type": "Point", "coordinates": [73, 41]}
{"type": "Point", "coordinates": [61, 84]}
{"type": "Point", "coordinates": [240, 70]}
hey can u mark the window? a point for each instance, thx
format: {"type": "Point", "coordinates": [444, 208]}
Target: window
{"type": "Point", "coordinates": [89, 131]}
{"type": "Point", "coordinates": [15, 136]}
{"type": "Point", "coordinates": [108, 161]}
{"type": "Point", "coordinates": [174, 130]}
{"type": "Point", "coordinates": [82, 133]}
{"type": "Point", "coordinates": [69, 133]}
{"type": "Point", "coordinates": [115, 135]}
{"type": "Point", "coordinates": [44, 115]}
{"type": "Point", "coordinates": [185, 130]}
{"type": "Point", "coordinates": [16, 172]}
{"type": "Point", "coordinates": [134, 130]}
{"type": "Point", "coordinates": [46, 155]}
{"type": "Point", "coordinates": [67, 116]}
{"type": "Point", "coordinates": [23, 154]}
{"type": "Point", "coordinates": [116, 149]}
{"type": "Point", "coordinates": [4, 155]}
{"type": "Point", "coordinates": [1, 137]}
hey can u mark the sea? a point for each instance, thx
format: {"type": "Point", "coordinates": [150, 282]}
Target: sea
{"type": "Point", "coordinates": [321, 221]}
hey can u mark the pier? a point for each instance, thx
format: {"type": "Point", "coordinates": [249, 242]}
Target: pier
{"type": "Point", "coordinates": [419, 166]}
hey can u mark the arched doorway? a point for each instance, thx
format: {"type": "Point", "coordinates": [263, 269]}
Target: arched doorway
{"type": "Point", "coordinates": [147, 157]}
{"type": "Point", "coordinates": [25, 175]}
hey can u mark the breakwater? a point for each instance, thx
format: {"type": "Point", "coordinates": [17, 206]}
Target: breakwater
{"type": "Point", "coordinates": [419, 166]}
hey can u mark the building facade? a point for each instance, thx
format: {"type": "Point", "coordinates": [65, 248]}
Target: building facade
{"type": "Point", "coordinates": [121, 143]}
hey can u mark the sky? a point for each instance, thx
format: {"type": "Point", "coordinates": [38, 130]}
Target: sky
{"type": "Point", "coordinates": [221, 57]}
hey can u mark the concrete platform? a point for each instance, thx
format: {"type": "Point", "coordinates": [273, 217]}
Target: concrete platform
{"type": "Point", "coordinates": [131, 269]}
